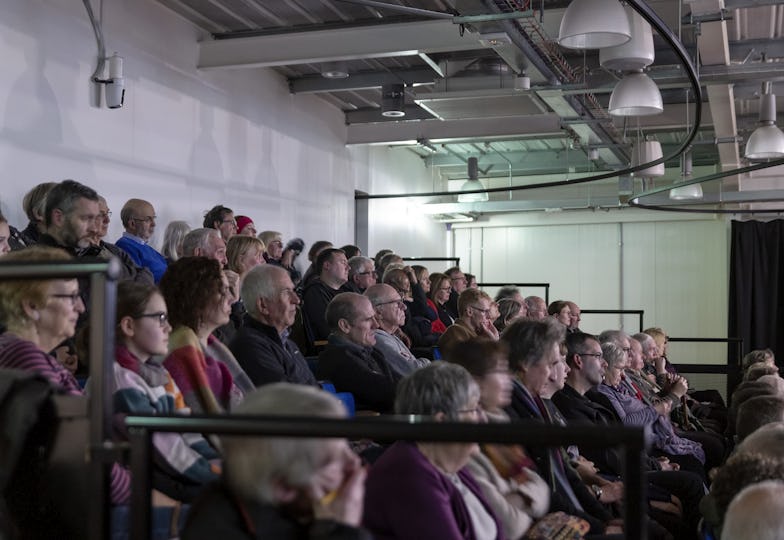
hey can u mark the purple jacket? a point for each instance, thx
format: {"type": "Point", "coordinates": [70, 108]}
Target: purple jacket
{"type": "Point", "coordinates": [406, 497]}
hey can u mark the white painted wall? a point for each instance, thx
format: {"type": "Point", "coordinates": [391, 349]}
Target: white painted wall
{"type": "Point", "coordinates": [186, 139]}
{"type": "Point", "coordinates": [674, 268]}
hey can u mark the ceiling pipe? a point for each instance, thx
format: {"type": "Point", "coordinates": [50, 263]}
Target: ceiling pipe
{"type": "Point", "coordinates": [665, 33]}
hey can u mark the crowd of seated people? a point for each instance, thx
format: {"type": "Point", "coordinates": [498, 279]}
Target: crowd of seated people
{"type": "Point", "coordinates": [221, 321]}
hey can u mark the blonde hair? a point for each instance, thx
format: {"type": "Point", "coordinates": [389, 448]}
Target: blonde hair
{"type": "Point", "coordinates": [236, 248]}
{"type": "Point", "coordinates": [14, 292]}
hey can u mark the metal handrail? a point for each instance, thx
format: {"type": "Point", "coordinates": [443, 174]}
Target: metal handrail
{"type": "Point", "coordinates": [141, 429]}
{"type": "Point", "coordinates": [639, 312]}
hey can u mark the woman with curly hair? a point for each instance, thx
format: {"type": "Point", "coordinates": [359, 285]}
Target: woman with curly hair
{"type": "Point", "coordinates": [199, 301]}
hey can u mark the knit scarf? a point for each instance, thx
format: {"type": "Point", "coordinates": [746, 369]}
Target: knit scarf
{"type": "Point", "coordinates": [206, 384]}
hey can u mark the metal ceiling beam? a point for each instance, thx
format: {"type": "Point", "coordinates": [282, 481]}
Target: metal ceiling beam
{"type": "Point", "coordinates": [378, 41]}
{"type": "Point", "coordinates": [314, 84]}
{"type": "Point", "coordinates": [449, 130]}
{"type": "Point", "coordinates": [521, 160]}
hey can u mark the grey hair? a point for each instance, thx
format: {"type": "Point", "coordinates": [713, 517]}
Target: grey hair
{"type": "Point", "coordinates": [439, 387]}
{"type": "Point", "coordinates": [645, 340]}
{"type": "Point", "coordinates": [529, 341]}
{"type": "Point", "coordinates": [356, 263]}
{"type": "Point", "coordinates": [768, 440]}
{"type": "Point", "coordinates": [174, 236]}
{"type": "Point", "coordinates": [613, 353]}
{"type": "Point", "coordinates": [255, 465]}
{"type": "Point", "coordinates": [506, 292]}
{"type": "Point", "coordinates": [755, 512]}
{"type": "Point", "coordinates": [377, 293]}
{"type": "Point", "coordinates": [614, 336]}
{"type": "Point", "coordinates": [259, 283]}
{"type": "Point", "coordinates": [196, 239]}
{"type": "Point", "coordinates": [63, 197]}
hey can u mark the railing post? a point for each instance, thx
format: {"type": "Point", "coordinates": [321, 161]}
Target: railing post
{"type": "Point", "coordinates": [141, 482]}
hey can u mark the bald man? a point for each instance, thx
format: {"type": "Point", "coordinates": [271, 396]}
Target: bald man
{"type": "Point", "coordinates": [138, 218]}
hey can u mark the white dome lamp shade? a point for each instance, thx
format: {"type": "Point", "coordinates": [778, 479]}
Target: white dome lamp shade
{"type": "Point", "coordinates": [645, 152]}
{"type": "Point", "coordinates": [594, 24]}
{"type": "Point", "coordinates": [690, 192]}
{"type": "Point", "coordinates": [767, 141]}
{"type": "Point", "coordinates": [636, 95]}
{"type": "Point", "coordinates": [637, 53]}
{"type": "Point", "coordinates": [472, 184]}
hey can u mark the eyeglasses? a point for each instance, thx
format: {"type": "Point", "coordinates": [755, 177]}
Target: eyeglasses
{"type": "Point", "coordinates": [448, 288]}
{"type": "Point", "coordinates": [594, 354]}
{"type": "Point", "coordinates": [230, 221]}
{"type": "Point", "coordinates": [105, 215]}
{"type": "Point", "coordinates": [73, 297]}
{"type": "Point", "coordinates": [484, 311]}
{"type": "Point", "coordinates": [162, 317]}
{"type": "Point", "coordinates": [398, 302]}
{"type": "Point", "coordinates": [366, 273]}
{"type": "Point", "coordinates": [145, 219]}
{"type": "Point", "coordinates": [627, 350]}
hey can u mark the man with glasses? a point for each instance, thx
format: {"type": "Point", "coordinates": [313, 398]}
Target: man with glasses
{"type": "Point", "coordinates": [459, 284]}
{"type": "Point", "coordinates": [350, 360]}
{"type": "Point", "coordinates": [104, 250]}
{"type": "Point", "coordinates": [586, 371]}
{"type": "Point", "coordinates": [474, 309]}
{"type": "Point", "coordinates": [222, 220]}
{"type": "Point", "coordinates": [393, 343]}
{"type": "Point", "coordinates": [361, 274]}
{"type": "Point", "coordinates": [138, 219]}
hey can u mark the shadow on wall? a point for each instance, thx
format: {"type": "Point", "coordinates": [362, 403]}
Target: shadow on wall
{"type": "Point", "coordinates": [205, 161]}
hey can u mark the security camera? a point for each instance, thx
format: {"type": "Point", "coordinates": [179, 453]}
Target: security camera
{"type": "Point", "coordinates": [114, 86]}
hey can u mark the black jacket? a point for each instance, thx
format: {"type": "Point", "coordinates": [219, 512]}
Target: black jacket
{"type": "Point", "coordinates": [219, 514]}
{"type": "Point", "coordinates": [267, 358]}
{"type": "Point", "coordinates": [315, 300]}
{"type": "Point", "coordinates": [363, 371]}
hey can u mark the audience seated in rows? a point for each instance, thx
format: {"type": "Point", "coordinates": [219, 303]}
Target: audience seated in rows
{"type": "Point", "coordinates": [332, 273]}
{"type": "Point", "coordinates": [350, 360]}
{"type": "Point", "coordinates": [143, 386]}
{"type": "Point", "coordinates": [262, 346]}
{"type": "Point", "coordinates": [173, 238]}
{"type": "Point", "coordinates": [283, 488]}
{"type": "Point", "coordinates": [197, 293]}
{"type": "Point", "coordinates": [138, 219]}
{"type": "Point", "coordinates": [474, 321]}
{"type": "Point", "coordinates": [222, 220]}
{"type": "Point", "coordinates": [393, 343]}
{"type": "Point", "coordinates": [536, 307]}
{"type": "Point", "coordinates": [361, 274]}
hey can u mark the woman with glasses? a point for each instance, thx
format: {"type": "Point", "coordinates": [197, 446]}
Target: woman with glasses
{"type": "Point", "coordinates": [634, 412]}
{"type": "Point", "coordinates": [197, 294]}
{"type": "Point", "coordinates": [519, 496]}
{"type": "Point", "coordinates": [143, 386]}
{"type": "Point", "coordinates": [440, 287]}
{"type": "Point", "coordinates": [423, 489]}
{"type": "Point", "coordinates": [38, 315]}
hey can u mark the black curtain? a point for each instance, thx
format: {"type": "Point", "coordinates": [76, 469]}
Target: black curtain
{"type": "Point", "coordinates": [756, 308]}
